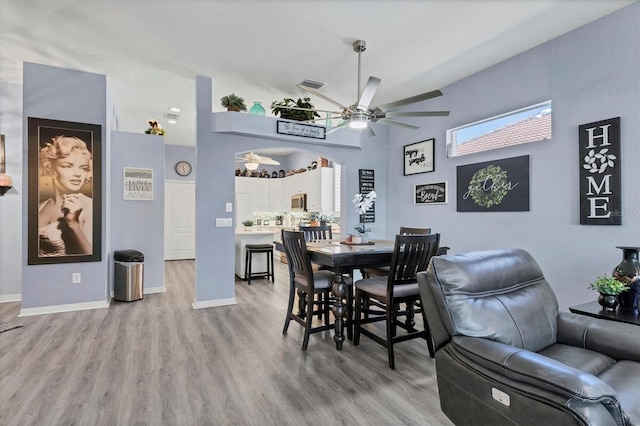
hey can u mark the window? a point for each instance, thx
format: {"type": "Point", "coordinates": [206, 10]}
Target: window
{"type": "Point", "coordinates": [529, 124]}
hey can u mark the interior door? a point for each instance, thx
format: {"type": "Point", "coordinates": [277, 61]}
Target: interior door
{"type": "Point", "coordinates": [180, 220]}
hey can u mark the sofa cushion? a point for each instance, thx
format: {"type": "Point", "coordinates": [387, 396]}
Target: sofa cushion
{"type": "Point", "coordinates": [623, 378]}
{"type": "Point", "coordinates": [499, 295]}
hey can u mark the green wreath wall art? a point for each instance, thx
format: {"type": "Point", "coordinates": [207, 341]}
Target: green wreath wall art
{"type": "Point", "coordinates": [488, 186]}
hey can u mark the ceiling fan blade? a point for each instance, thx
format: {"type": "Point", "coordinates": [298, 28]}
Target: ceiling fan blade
{"type": "Point", "coordinates": [417, 114]}
{"type": "Point", "coordinates": [368, 93]}
{"type": "Point", "coordinates": [344, 123]}
{"type": "Point", "coordinates": [313, 109]}
{"type": "Point", "coordinates": [320, 95]}
{"type": "Point", "coordinates": [239, 159]}
{"type": "Point", "coordinates": [270, 162]}
{"type": "Point", "coordinates": [411, 100]}
{"type": "Point", "coordinates": [396, 123]}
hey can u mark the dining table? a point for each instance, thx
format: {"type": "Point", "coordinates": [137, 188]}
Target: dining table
{"type": "Point", "coordinates": [343, 258]}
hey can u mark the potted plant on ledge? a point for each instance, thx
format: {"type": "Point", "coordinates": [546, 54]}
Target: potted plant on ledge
{"type": "Point", "coordinates": [609, 289]}
{"type": "Point", "coordinates": [302, 110]}
{"type": "Point", "coordinates": [233, 103]}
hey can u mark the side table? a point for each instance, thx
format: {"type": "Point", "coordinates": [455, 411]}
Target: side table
{"type": "Point", "coordinates": [593, 309]}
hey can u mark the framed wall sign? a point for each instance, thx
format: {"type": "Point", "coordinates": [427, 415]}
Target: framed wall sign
{"type": "Point", "coordinates": [418, 157]}
{"type": "Point", "coordinates": [366, 184]}
{"type": "Point", "coordinates": [301, 129]}
{"type": "Point", "coordinates": [138, 184]}
{"type": "Point", "coordinates": [600, 186]}
{"type": "Point", "coordinates": [498, 185]}
{"type": "Point", "coordinates": [64, 192]}
{"type": "Point", "coordinates": [430, 193]}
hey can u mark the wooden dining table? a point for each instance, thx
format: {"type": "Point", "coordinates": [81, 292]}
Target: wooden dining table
{"type": "Point", "coordinates": [344, 258]}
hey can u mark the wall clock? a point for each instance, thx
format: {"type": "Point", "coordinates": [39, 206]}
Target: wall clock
{"type": "Point", "coordinates": [183, 168]}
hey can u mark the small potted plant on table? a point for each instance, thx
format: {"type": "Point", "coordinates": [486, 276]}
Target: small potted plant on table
{"type": "Point", "coordinates": [233, 103]}
{"type": "Point", "coordinates": [609, 289]}
{"type": "Point", "coordinates": [247, 224]}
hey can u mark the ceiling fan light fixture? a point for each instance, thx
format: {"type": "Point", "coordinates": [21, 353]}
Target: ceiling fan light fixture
{"type": "Point", "coordinates": [251, 166]}
{"type": "Point", "coordinates": [358, 120]}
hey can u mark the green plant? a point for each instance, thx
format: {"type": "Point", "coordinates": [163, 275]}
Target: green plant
{"type": "Point", "coordinates": [284, 109]}
{"type": "Point", "coordinates": [247, 222]}
{"type": "Point", "coordinates": [233, 103]}
{"type": "Point", "coordinates": [608, 285]}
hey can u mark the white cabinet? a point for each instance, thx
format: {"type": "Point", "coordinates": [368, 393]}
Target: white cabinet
{"type": "Point", "coordinates": [276, 201]}
{"type": "Point", "coordinates": [274, 195]}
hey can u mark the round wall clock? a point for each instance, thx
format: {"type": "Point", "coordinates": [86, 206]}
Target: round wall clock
{"type": "Point", "coordinates": [183, 168]}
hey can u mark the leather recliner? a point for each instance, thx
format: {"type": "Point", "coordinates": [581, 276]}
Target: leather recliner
{"type": "Point", "coordinates": [506, 355]}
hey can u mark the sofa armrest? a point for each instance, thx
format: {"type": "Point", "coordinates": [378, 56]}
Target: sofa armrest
{"type": "Point", "coordinates": [535, 369]}
{"type": "Point", "coordinates": [618, 340]}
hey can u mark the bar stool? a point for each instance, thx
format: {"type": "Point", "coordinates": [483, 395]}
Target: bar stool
{"type": "Point", "coordinates": [258, 248]}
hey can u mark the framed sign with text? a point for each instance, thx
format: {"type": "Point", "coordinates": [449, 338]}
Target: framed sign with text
{"type": "Point", "coordinates": [301, 129]}
{"type": "Point", "coordinates": [418, 157]}
{"type": "Point", "coordinates": [430, 193]}
{"type": "Point", "coordinates": [366, 184]}
{"type": "Point", "coordinates": [494, 186]}
{"type": "Point", "coordinates": [138, 184]}
{"type": "Point", "coordinates": [600, 187]}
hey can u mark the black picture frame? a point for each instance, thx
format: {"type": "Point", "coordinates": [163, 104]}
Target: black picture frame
{"type": "Point", "coordinates": [419, 157]}
{"type": "Point", "coordinates": [50, 239]}
{"type": "Point", "coordinates": [431, 193]}
{"type": "Point", "coordinates": [494, 186]}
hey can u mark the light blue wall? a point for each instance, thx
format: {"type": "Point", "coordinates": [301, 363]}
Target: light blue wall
{"type": "Point", "coordinates": [11, 202]}
{"type": "Point", "coordinates": [215, 253]}
{"type": "Point", "coordinates": [138, 225]}
{"type": "Point", "coordinates": [590, 74]}
{"type": "Point", "coordinates": [175, 153]}
{"type": "Point", "coordinates": [62, 94]}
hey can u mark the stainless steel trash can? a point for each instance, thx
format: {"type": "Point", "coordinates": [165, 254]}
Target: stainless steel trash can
{"type": "Point", "coordinates": [128, 276]}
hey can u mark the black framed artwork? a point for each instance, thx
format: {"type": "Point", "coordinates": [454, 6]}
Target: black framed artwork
{"type": "Point", "coordinates": [494, 186]}
{"type": "Point", "coordinates": [64, 192]}
{"type": "Point", "coordinates": [430, 193]}
{"type": "Point", "coordinates": [418, 157]}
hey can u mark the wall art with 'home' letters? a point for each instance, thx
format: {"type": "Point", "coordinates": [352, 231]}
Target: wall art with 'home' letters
{"type": "Point", "coordinates": [600, 188]}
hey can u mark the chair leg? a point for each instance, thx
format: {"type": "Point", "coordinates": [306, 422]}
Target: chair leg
{"type": "Point", "coordinates": [391, 318]}
{"type": "Point", "coordinates": [292, 294]}
{"type": "Point", "coordinates": [246, 263]}
{"type": "Point", "coordinates": [302, 302]}
{"type": "Point", "coordinates": [307, 323]}
{"type": "Point", "coordinates": [273, 273]}
{"type": "Point", "coordinates": [350, 312]}
{"type": "Point", "coordinates": [249, 263]}
{"type": "Point", "coordinates": [356, 331]}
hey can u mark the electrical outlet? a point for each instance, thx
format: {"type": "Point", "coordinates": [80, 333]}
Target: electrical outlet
{"type": "Point", "coordinates": [76, 278]}
{"type": "Point", "coordinates": [224, 222]}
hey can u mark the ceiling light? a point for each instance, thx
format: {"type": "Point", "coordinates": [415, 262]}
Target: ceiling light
{"type": "Point", "coordinates": [174, 109]}
{"type": "Point", "coordinates": [251, 166]}
{"type": "Point", "coordinates": [358, 120]}
{"type": "Point", "coordinates": [172, 121]}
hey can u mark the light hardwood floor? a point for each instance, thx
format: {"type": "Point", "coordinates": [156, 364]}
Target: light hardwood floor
{"type": "Point", "coordinates": [157, 361]}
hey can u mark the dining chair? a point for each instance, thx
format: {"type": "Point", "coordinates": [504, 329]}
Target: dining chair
{"type": "Point", "coordinates": [314, 233]}
{"type": "Point", "coordinates": [378, 271]}
{"type": "Point", "coordinates": [411, 254]}
{"type": "Point", "coordinates": [307, 284]}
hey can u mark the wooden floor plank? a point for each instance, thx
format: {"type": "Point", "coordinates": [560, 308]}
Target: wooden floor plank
{"type": "Point", "coordinates": [157, 361]}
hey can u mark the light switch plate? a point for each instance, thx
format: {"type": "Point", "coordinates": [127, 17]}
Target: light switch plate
{"type": "Point", "coordinates": [224, 222]}
{"type": "Point", "coordinates": [228, 207]}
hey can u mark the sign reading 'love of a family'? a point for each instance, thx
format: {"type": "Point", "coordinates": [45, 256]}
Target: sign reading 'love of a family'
{"type": "Point", "coordinates": [600, 189]}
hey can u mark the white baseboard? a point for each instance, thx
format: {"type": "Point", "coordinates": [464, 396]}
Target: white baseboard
{"type": "Point", "coordinates": [4, 298]}
{"type": "Point", "coordinates": [63, 308]}
{"type": "Point", "coordinates": [214, 303]}
{"type": "Point", "coordinates": [152, 290]}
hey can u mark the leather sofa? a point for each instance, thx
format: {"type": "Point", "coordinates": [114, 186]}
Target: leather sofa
{"type": "Point", "coordinates": [506, 355]}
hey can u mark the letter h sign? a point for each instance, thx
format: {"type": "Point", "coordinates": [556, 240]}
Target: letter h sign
{"type": "Point", "coordinates": [600, 189]}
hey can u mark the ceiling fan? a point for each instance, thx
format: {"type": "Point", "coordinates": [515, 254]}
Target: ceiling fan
{"type": "Point", "coordinates": [360, 114]}
{"type": "Point", "coordinates": [252, 161]}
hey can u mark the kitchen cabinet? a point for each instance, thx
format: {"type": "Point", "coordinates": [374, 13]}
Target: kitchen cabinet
{"type": "Point", "coordinates": [319, 186]}
{"type": "Point", "coordinates": [276, 200]}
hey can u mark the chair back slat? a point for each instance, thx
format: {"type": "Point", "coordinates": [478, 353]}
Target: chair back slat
{"type": "Point", "coordinates": [298, 259]}
{"type": "Point", "coordinates": [411, 255]}
{"type": "Point", "coordinates": [314, 233]}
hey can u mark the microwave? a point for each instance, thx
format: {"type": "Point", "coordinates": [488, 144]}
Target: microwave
{"type": "Point", "coordinates": [299, 203]}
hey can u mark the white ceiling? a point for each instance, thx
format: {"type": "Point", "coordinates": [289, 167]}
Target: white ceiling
{"type": "Point", "coordinates": [152, 50]}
